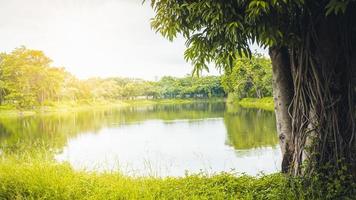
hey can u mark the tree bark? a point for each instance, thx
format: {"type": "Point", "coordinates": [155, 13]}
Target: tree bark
{"type": "Point", "coordinates": [282, 94]}
{"type": "Point", "coordinates": [323, 113]}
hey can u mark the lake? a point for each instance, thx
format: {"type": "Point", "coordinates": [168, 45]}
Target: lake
{"type": "Point", "coordinates": [158, 140]}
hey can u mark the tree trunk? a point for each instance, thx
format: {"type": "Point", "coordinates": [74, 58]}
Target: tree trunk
{"type": "Point", "coordinates": [282, 95]}
{"type": "Point", "coordinates": [323, 125]}
{"type": "Point", "coordinates": [313, 90]}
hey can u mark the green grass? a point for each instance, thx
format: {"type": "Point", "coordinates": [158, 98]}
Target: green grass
{"type": "Point", "coordinates": [33, 174]}
{"type": "Point", "coordinates": [38, 179]}
{"type": "Point", "coordinates": [265, 103]}
{"type": "Point", "coordinates": [47, 180]}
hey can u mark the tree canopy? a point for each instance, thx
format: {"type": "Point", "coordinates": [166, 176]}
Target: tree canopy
{"type": "Point", "coordinates": [220, 31]}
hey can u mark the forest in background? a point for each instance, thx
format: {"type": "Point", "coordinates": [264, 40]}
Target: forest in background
{"type": "Point", "coordinates": [27, 80]}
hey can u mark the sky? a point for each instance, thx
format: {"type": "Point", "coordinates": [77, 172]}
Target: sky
{"type": "Point", "coordinates": [93, 38]}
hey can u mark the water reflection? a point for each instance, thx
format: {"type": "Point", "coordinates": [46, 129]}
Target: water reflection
{"type": "Point", "coordinates": [250, 128]}
{"type": "Point", "coordinates": [155, 140]}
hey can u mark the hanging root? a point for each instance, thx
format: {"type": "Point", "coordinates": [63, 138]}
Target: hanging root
{"type": "Point", "coordinates": [323, 107]}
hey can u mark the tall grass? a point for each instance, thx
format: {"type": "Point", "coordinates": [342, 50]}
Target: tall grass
{"type": "Point", "coordinates": [49, 180]}
{"type": "Point", "coordinates": [29, 176]}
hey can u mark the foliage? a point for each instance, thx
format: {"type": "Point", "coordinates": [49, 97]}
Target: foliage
{"type": "Point", "coordinates": [190, 87]}
{"type": "Point", "coordinates": [249, 78]}
{"type": "Point", "coordinates": [221, 31]}
{"type": "Point", "coordinates": [27, 80]}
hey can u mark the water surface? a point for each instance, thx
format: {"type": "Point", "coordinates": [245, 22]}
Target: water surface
{"type": "Point", "coordinates": [160, 140]}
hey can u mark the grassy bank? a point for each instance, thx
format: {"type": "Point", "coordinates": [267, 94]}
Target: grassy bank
{"type": "Point", "coordinates": [49, 180]}
{"type": "Point", "coordinates": [265, 103]}
{"type": "Point", "coordinates": [71, 106]}
{"type": "Point", "coordinates": [46, 180]}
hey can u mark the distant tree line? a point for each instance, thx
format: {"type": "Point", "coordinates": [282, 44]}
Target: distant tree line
{"type": "Point", "coordinates": [27, 79]}
{"type": "Point", "coordinates": [166, 88]}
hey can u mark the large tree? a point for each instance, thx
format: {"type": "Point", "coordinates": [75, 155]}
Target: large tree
{"type": "Point", "coordinates": [27, 79]}
{"type": "Point", "coordinates": [312, 45]}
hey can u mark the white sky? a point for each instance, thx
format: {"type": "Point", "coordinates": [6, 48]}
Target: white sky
{"type": "Point", "coordinates": [93, 37]}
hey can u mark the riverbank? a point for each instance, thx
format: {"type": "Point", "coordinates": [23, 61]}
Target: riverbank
{"type": "Point", "coordinates": [71, 106]}
{"type": "Point", "coordinates": [265, 103]}
{"type": "Point", "coordinates": [67, 107]}
{"type": "Point", "coordinates": [47, 180]}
